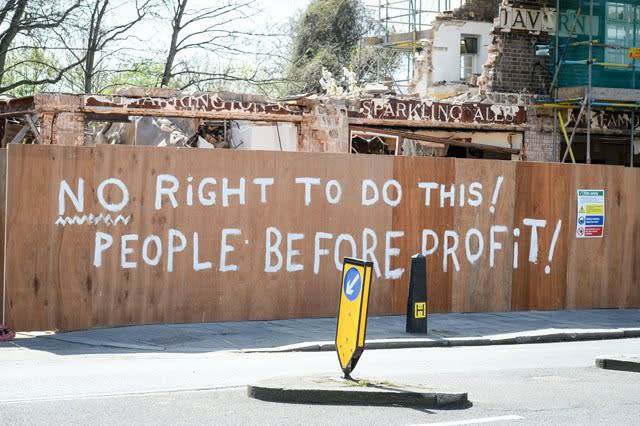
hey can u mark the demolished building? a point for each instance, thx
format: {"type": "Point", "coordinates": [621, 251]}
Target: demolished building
{"type": "Point", "coordinates": [219, 120]}
{"type": "Point", "coordinates": [232, 225]}
{"type": "Point", "coordinates": [505, 97]}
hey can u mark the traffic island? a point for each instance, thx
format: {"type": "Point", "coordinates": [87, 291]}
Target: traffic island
{"type": "Point", "coordinates": [621, 363]}
{"type": "Point", "coordinates": [339, 391]}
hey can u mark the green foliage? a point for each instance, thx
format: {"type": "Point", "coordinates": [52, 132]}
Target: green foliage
{"type": "Point", "coordinates": [324, 36]}
{"type": "Point", "coordinates": [480, 10]}
{"type": "Point", "coordinates": [29, 64]}
{"type": "Point", "coordinates": [327, 34]}
{"type": "Point", "coordinates": [139, 74]}
{"type": "Point", "coordinates": [329, 24]}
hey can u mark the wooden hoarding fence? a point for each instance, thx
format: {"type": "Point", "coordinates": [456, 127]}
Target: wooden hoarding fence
{"type": "Point", "coordinates": [116, 235]}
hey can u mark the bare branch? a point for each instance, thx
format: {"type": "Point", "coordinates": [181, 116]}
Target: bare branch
{"type": "Point", "coordinates": [9, 5]}
{"type": "Point", "coordinates": [28, 22]}
{"type": "Point", "coordinates": [199, 28]}
{"type": "Point", "coordinates": [212, 13]}
{"type": "Point", "coordinates": [60, 73]}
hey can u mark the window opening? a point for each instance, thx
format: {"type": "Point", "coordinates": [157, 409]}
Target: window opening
{"type": "Point", "coordinates": [468, 56]}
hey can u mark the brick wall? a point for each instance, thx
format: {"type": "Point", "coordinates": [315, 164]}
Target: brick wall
{"type": "Point", "coordinates": [539, 143]}
{"type": "Point", "coordinates": [325, 128]}
{"type": "Point", "coordinates": [62, 122]}
{"type": "Point", "coordinates": [64, 128]}
{"type": "Point", "coordinates": [513, 65]}
{"type": "Point", "coordinates": [516, 68]}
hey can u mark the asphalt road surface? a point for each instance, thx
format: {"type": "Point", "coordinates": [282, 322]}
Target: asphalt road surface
{"type": "Point", "coordinates": [554, 383]}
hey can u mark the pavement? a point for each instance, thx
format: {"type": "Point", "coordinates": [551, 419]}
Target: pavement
{"type": "Point", "coordinates": [318, 334]}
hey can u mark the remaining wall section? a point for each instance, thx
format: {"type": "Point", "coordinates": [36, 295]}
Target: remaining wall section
{"type": "Point", "coordinates": [325, 128]}
{"type": "Point", "coordinates": [514, 67]}
{"type": "Point", "coordinates": [539, 138]}
{"type": "Point", "coordinates": [114, 235]}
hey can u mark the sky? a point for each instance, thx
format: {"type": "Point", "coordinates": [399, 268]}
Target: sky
{"type": "Point", "coordinates": [280, 10]}
{"type": "Point", "coordinates": [275, 13]}
{"type": "Point", "coordinates": [270, 17]}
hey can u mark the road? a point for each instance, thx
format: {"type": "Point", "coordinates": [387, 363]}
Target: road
{"type": "Point", "coordinates": [554, 383]}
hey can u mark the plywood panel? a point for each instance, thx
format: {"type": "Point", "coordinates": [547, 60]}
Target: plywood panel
{"type": "Point", "coordinates": [633, 294]}
{"type": "Point", "coordinates": [542, 206]}
{"type": "Point", "coordinates": [300, 236]}
{"type": "Point", "coordinates": [619, 217]}
{"type": "Point", "coordinates": [163, 235]}
{"type": "Point", "coordinates": [601, 269]}
{"type": "Point", "coordinates": [48, 279]}
{"type": "Point", "coordinates": [416, 214]}
{"type": "Point", "coordinates": [587, 267]}
{"type": "Point", "coordinates": [484, 280]}
{"type": "Point", "coordinates": [3, 198]}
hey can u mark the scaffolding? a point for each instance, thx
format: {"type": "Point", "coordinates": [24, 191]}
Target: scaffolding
{"type": "Point", "coordinates": [586, 58]}
{"type": "Point", "coordinates": [405, 24]}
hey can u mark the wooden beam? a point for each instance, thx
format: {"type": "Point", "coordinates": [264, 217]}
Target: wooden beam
{"type": "Point", "coordinates": [426, 125]}
{"type": "Point", "coordinates": [32, 127]}
{"type": "Point", "coordinates": [16, 113]}
{"type": "Point", "coordinates": [398, 38]}
{"type": "Point", "coordinates": [433, 139]}
{"type": "Point", "coordinates": [116, 118]}
{"type": "Point", "coordinates": [211, 115]}
{"type": "Point", "coordinates": [600, 93]}
{"type": "Point", "coordinates": [20, 135]}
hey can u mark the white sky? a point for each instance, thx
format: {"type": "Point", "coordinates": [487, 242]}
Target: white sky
{"type": "Point", "coordinates": [155, 36]}
{"type": "Point", "coordinates": [280, 10]}
{"type": "Point", "coordinates": [274, 14]}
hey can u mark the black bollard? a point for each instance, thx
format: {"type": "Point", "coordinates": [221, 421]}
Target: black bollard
{"type": "Point", "coordinates": [417, 300]}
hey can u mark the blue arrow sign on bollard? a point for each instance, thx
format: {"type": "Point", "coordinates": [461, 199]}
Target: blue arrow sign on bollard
{"type": "Point", "coordinates": [352, 312]}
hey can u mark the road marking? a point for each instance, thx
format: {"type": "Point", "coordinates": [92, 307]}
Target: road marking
{"type": "Point", "coordinates": [474, 421]}
{"type": "Point", "coordinates": [119, 394]}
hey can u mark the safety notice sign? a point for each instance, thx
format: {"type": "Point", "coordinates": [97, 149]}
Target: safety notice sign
{"type": "Point", "coordinates": [590, 222]}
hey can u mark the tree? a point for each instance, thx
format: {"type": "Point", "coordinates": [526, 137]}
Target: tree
{"type": "Point", "coordinates": [93, 46]}
{"type": "Point", "coordinates": [38, 67]}
{"type": "Point", "coordinates": [141, 73]}
{"type": "Point", "coordinates": [104, 27]}
{"type": "Point", "coordinates": [208, 31]}
{"type": "Point", "coordinates": [327, 35]}
{"type": "Point", "coordinates": [478, 10]}
{"type": "Point", "coordinates": [24, 26]}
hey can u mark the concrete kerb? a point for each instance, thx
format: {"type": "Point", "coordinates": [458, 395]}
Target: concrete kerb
{"type": "Point", "coordinates": [631, 332]}
{"type": "Point", "coordinates": [539, 336]}
{"type": "Point", "coordinates": [335, 391]}
{"type": "Point", "coordinates": [159, 342]}
{"type": "Point", "coordinates": [621, 363]}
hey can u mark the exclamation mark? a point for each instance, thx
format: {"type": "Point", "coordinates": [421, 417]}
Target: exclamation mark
{"type": "Point", "coordinates": [516, 252]}
{"type": "Point", "coordinates": [496, 192]}
{"type": "Point", "coordinates": [554, 240]}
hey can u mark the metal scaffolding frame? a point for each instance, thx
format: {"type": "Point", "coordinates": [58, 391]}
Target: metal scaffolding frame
{"type": "Point", "coordinates": [405, 23]}
{"type": "Point", "coordinates": [587, 102]}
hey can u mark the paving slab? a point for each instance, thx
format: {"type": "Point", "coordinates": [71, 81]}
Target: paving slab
{"type": "Point", "coordinates": [328, 390]}
{"type": "Point", "coordinates": [318, 334]}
